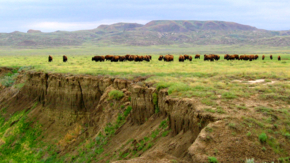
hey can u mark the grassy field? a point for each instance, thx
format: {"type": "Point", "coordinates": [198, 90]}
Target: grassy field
{"type": "Point", "coordinates": [220, 87]}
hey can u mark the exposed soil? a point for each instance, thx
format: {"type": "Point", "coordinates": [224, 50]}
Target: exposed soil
{"type": "Point", "coordinates": [75, 109]}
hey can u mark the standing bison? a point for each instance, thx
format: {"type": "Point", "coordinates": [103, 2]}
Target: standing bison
{"type": "Point", "coordinates": [263, 57]}
{"type": "Point", "coordinates": [49, 58]}
{"type": "Point", "coordinates": [186, 56]}
{"type": "Point", "coordinates": [271, 57]}
{"type": "Point", "coordinates": [181, 58]}
{"type": "Point", "coordinates": [197, 56]}
{"type": "Point", "coordinates": [64, 58]}
{"type": "Point", "coordinates": [160, 58]}
{"type": "Point", "coordinates": [109, 57]}
{"type": "Point", "coordinates": [190, 58]}
{"type": "Point", "coordinates": [98, 58]}
{"type": "Point", "coordinates": [168, 58]}
{"type": "Point", "coordinates": [279, 58]}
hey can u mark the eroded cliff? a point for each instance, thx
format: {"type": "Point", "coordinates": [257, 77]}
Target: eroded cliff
{"type": "Point", "coordinates": [84, 123]}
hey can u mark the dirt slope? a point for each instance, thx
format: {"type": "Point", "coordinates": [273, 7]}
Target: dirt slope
{"type": "Point", "coordinates": [81, 122]}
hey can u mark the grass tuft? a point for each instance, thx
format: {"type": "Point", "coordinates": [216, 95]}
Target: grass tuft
{"type": "Point", "coordinates": [116, 94]}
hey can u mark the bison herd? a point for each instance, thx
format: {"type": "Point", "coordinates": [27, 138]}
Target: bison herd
{"type": "Point", "coordinates": [169, 58]}
{"type": "Point", "coordinates": [116, 58]}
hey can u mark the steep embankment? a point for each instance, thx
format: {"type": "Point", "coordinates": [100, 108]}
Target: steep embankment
{"type": "Point", "coordinates": [89, 118]}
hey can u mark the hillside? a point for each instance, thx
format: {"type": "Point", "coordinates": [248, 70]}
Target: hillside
{"type": "Point", "coordinates": [53, 117]}
{"type": "Point", "coordinates": [159, 32]}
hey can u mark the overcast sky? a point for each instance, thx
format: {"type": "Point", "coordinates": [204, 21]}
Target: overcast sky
{"type": "Point", "coordinates": [70, 15]}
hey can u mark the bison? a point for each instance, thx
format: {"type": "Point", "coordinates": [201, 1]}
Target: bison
{"type": "Point", "coordinates": [209, 57]}
{"type": "Point", "coordinates": [226, 56]}
{"type": "Point", "coordinates": [279, 58]}
{"type": "Point", "coordinates": [64, 58]}
{"type": "Point", "coordinates": [160, 57]}
{"type": "Point", "coordinates": [115, 58]}
{"type": "Point", "coordinates": [168, 58]}
{"type": "Point", "coordinates": [186, 56]}
{"type": "Point", "coordinates": [181, 58]}
{"type": "Point", "coordinates": [271, 57]}
{"type": "Point", "coordinates": [256, 57]}
{"type": "Point", "coordinates": [109, 57]}
{"type": "Point", "coordinates": [197, 56]}
{"type": "Point", "coordinates": [98, 58]}
{"type": "Point", "coordinates": [236, 56]}
{"type": "Point", "coordinates": [49, 58]}
{"type": "Point", "coordinates": [190, 58]}
{"type": "Point", "coordinates": [216, 57]}
{"type": "Point", "coordinates": [122, 58]}
{"type": "Point", "coordinates": [147, 58]}
{"type": "Point", "coordinates": [263, 57]}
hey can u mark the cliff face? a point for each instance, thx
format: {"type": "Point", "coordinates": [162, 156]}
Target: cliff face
{"type": "Point", "coordinates": [69, 99]}
{"type": "Point", "coordinates": [75, 110]}
{"type": "Point", "coordinates": [84, 93]}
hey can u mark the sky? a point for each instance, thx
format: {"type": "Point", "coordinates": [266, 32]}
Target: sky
{"type": "Point", "coordinates": [72, 15]}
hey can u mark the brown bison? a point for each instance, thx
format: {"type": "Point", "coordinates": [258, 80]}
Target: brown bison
{"type": "Point", "coordinates": [122, 58]}
{"type": "Point", "coordinates": [49, 58]}
{"type": "Point", "coordinates": [226, 56]}
{"type": "Point", "coordinates": [209, 57]}
{"type": "Point", "coordinates": [181, 58]}
{"type": "Point", "coordinates": [127, 56]}
{"type": "Point", "coordinates": [256, 57]}
{"type": "Point", "coordinates": [98, 58]}
{"type": "Point", "coordinates": [138, 58]}
{"type": "Point", "coordinates": [64, 58]}
{"type": "Point", "coordinates": [263, 57]}
{"type": "Point", "coordinates": [271, 57]}
{"type": "Point", "coordinates": [197, 56]}
{"type": "Point", "coordinates": [115, 58]}
{"type": "Point", "coordinates": [216, 57]}
{"type": "Point", "coordinates": [236, 56]}
{"type": "Point", "coordinates": [251, 57]}
{"type": "Point", "coordinates": [168, 58]}
{"type": "Point", "coordinates": [242, 57]}
{"type": "Point", "coordinates": [190, 58]}
{"type": "Point", "coordinates": [131, 58]}
{"type": "Point", "coordinates": [160, 57]}
{"type": "Point", "coordinates": [147, 58]}
{"type": "Point", "coordinates": [109, 57]}
{"type": "Point", "coordinates": [186, 56]}
{"type": "Point", "coordinates": [231, 57]}
{"type": "Point", "coordinates": [279, 58]}
{"type": "Point", "coordinates": [150, 57]}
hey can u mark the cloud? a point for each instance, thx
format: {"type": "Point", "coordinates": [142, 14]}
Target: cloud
{"type": "Point", "coordinates": [73, 26]}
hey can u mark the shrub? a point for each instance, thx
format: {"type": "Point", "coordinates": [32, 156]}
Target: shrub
{"type": "Point", "coordinates": [163, 124]}
{"type": "Point", "coordinates": [263, 137]}
{"type": "Point", "coordinates": [19, 86]}
{"type": "Point", "coordinates": [7, 81]}
{"type": "Point", "coordinates": [212, 160]}
{"type": "Point", "coordinates": [116, 94]}
{"type": "Point", "coordinates": [155, 99]}
{"type": "Point", "coordinates": [155, 102]}
{"type": "Point", "coordinates": [127, 111]}
{"type": "Point", "coordinates": [165, 133]}
{"type": "Point", "coordinates": [287, 135]}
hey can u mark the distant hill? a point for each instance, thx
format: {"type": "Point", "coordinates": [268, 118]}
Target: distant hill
{"type": "Point", "coordinates": [157, 32]}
